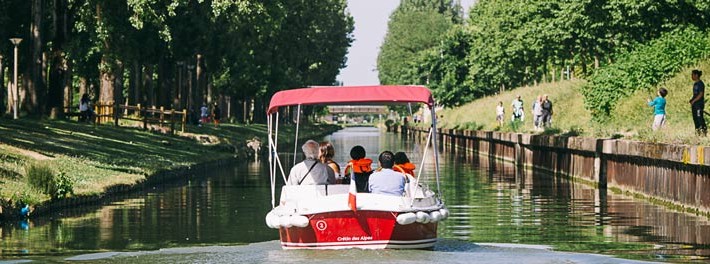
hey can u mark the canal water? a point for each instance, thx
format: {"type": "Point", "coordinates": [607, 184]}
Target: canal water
{"type": "Point", "coordinates": [499, 214]}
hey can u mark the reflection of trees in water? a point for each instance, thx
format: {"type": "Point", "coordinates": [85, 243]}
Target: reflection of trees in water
{"type": "Point", "coordinates": [495, 201]}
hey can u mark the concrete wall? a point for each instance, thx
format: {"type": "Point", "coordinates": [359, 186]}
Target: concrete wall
{"type": "Point", "coordinates": [674, 174]}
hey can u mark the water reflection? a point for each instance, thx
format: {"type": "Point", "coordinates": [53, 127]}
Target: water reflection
{"type": "Point", "coordinates": [491, 201]}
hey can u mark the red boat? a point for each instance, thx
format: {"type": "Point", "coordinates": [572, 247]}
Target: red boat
{"type": "Point", "coordinates": [336, 216]}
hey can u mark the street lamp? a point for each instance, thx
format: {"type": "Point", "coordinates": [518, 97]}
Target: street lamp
{"type": "Point", "coordinates": [16, 42]}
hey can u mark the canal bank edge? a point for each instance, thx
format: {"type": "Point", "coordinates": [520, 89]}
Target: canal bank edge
{"type": "Point", "coordinates": [676, 176]}
{"type": "Point", "coordinates": [154, 179]}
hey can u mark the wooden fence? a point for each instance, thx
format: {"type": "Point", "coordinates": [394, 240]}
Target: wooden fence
{"type": "Point", "coordinates": [107, 112]}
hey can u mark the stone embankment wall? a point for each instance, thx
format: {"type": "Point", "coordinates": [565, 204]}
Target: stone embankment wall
{"type": "Point", "coordinates": [675, 174]}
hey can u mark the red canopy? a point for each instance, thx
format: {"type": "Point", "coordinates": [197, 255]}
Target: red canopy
{"type": "Point", "coordinates": [383, 94]}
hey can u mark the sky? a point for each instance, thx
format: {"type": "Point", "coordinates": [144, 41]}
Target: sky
{"type": "Point", "coordinates": [371, 18]}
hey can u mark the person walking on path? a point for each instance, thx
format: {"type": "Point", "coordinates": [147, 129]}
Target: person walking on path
{"type": "Point", "coordinates": [697, 103]}
{"type": "Point", "coordinates": [537, 113]}
{"type": "Point", "coordinates": [500, 113]}
{"type": "Point", "coordinates": [216, 115]}
{"type": "Point", "coordinates": [659, 109]}
{"type": "Point", "coordinates": [204, 114]}
{"type": "Point", "coordinates": [546, 111]}
{"type": "Point", "coordinates": [518, 112]}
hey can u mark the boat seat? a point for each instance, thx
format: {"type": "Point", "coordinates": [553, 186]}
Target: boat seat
{"type": "Point", "coordinates": [300, 192]}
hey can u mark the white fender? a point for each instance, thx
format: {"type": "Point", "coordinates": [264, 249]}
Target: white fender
{"type": "Point", "coordinates": [435, 216]}
{"type": "Point", "coordinates": [299, 221]}
{"type": "Point", "coordinates": [272, 220]}
{"type": "Point", "coordinates": [285, 221]}
{"type": "Point", "coordinates": [423, 217]}
{"type": "Point", "coordinates": [406, 218]}
{"type": "Point", "coordinates": [444, 213]}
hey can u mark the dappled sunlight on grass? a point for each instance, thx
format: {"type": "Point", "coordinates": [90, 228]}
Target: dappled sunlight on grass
{"type": "Point", "coordinates": [96, 157]}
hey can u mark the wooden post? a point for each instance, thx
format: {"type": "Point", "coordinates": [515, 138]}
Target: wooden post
{"type": "Point", "coordinates": [184, 117]}
{"type": "Point", "coordinates": [144, 113]}
{"type": "Point", "coordinates": [116, 113]}
{"type": "Point", "coordinates": [162, 115]}
{"type": "Point", "coordinates": [172, 121]}
{"type": "Point", "coordinates": [125, 110]}
{"type": "Point", "coordinates": [140, 113]}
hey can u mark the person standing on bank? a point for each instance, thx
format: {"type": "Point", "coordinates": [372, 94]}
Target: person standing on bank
{"type": "Point", "coordinates": [697, 103]}
{"type": "Point", "coordinates": [546, 111]}
{"type": "Point", "coordinates": [216, 115]}
{"type": "Point", "coordinates": [659, 109]}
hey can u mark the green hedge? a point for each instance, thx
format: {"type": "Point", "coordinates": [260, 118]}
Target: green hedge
{"type": "Point", "coordinates": [643, 68]}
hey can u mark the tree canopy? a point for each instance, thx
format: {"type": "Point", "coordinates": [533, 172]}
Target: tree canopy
{"type": "Point", "coordinates": [512, 43]}
{"type": "Point", "coordinates": [152, 51]}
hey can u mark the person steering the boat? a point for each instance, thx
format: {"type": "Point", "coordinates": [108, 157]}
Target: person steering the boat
{"type": "Point", "coordinates": [310, 171]}
{"type": "Point", "coordinates": [387, 181]}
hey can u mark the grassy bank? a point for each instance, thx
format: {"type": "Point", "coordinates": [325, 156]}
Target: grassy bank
{"type": "Point", "coordinates": [631, 119]}
{"type": "Point", "coordinates": [97, 157]}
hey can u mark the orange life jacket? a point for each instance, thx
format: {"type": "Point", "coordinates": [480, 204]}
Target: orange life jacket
{"type": "Point", "coordinates": [363, 165]}
{"type": "Point", "coordinates": [406, 168]}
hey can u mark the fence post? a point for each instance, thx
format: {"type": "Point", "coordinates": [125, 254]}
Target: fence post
{"type": "Point", "coordinates": [184, 117]}
{"type": "Point", "coordinates": [162, 116]}
{"type": "Point", "coordinates": [144, 114]}
{"type": "Point", "coordinates": [172, 121]}
{"type": "Point", "coordinates": [125, 110]}
{"type": "Point", "coordinates": [140, 114]}
{"type": "Point", "coordinates": [116, 113]}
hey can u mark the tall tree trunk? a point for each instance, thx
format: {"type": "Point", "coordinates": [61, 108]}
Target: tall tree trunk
{"type": "Point", "coordinates": [165, 83]}
{"type": "Point", "coordinates": [118, 85]}
{"type": "Point", "coordinates": [596, 61]}
{"type": "Point", "coordinates": [57, 73]}
{"type": "Point", "coordinates": [83, 86]}
{"type": "Point", "coordinates": [35, 87]}
{"type": "Point", "coordinates": [134, 89]}
{"type": "Point", "coordinates": [68, 89]}
{"type": "Point", "coordinates": [2, 85]}
{"type": "Point", "coordinates": [108, 80]}
{"type": "Point", "coordinates": [177, 91]}
{"type": "Point", "coordinates": [148, 85]}
{"type": "Point", "coordinates": [199, 79]}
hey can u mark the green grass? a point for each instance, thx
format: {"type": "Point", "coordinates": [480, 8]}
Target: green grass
{"type": "Point", "coordinates": [97, 157]}
{"type": "Point", "coordinates": [480, 113]}
{"type": "Point", "coordinates": [631, 119]}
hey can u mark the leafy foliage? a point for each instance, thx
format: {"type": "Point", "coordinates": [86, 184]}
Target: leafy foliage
{"type": "Point", "coordinates": [43, 178]}
{"type": "Point", "coordinates": [508, 44]}
{"type": "Point", "coordinates": [643, 68]}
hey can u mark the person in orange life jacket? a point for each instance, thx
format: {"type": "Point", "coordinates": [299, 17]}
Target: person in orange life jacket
{"type": "Point", "coordinates": [360, 166]}
{"type": "Point", "coordinates": [326, 153]}
{"type": "Point", "coordinates": [402, 164]}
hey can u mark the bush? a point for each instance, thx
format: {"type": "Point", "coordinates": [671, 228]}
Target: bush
{"type": "Point", "coordinates": [643, 68]}
{"type": "Point", "coordinates": [41, 177]}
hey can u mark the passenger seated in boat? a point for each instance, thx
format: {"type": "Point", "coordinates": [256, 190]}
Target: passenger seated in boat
{"type": "Point", "coordinates": [387, 181]}
{"type": "Point", "coordinates": [403, 165]}
{"type": "Point", "coordinates": [310, 171]}
{"type": "Point", "coordinates": [360, 166]}
{"type": "Point", "coordinates": [325, 155]}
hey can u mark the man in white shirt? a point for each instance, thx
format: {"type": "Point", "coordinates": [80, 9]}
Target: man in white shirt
{"type": "Point", "coordinates": [310, 171]}
{"type": "Point", "coordinates": [387, 181]}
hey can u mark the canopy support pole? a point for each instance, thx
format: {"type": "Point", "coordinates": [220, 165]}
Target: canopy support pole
{"type": "Point", "coordinates": [272, 172]}
{"type": "Point", "coordinates": [421, 167]}
{"type": "Point", "coordinates": [295, 142]}
{"type": "Point", "coordinates": [436, 148]}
